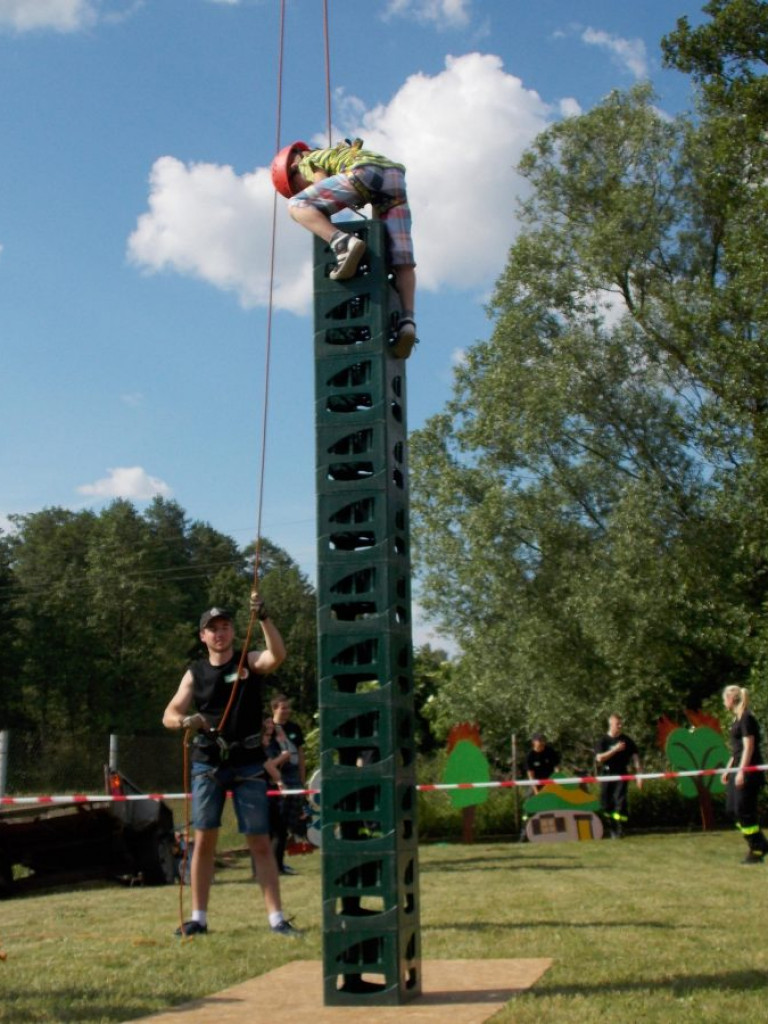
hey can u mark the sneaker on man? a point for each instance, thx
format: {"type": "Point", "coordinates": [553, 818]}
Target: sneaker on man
{"type": "Point", "coordinates": [287, 929]}
{"type": "Point", "coordinates": [286, 870]}
{"type": "Point", "coordinates": [348, 251]}
{"type": "Point", "coordinates": [405, 340]}
{"type": "Point", "coordinates": [190, 928]}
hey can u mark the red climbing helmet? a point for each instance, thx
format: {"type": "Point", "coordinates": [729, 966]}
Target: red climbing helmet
{"type": "Point", "coordinates": [281, 167]}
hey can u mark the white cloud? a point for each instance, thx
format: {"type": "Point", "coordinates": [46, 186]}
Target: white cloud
{"type": "Point", "coordinates": [133, 399]}
{"type": "Point", "coordinates": [569, 107]}
{"type": "Point", "coordinates": [206, 221]}
{"type": "Point", "coordinates": [629, 54]}
{"type": "Point", "coordinates": [60, 15]}
{"type": "Point", "coordinates": [442, 13]}
{"type": "Point", "coordinates": [130, 482]}
{"type": "Point", "coordinates": [460, 133]}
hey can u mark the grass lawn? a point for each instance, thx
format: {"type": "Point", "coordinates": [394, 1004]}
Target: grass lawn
{"type": "Point", "coordinates": [652, 928]}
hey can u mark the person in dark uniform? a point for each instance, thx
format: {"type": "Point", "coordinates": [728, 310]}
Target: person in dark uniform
{"type": "Point", "coordinates": [541, 760]}
{"type": "Point", "coordinates": [228, 754]}
{"type": "Point", "coordinates": [615, 754]}
{"type": "Point", "coordinates": [743, 786]}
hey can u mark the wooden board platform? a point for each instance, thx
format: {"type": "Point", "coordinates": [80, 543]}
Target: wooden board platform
{"type": "Point", "coordinates": [459, 991]}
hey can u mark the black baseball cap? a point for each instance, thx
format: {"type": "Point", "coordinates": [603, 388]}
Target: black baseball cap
{"type": "Point", "coordinates": [214, 613]}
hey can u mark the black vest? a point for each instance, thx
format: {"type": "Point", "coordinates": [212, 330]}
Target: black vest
{"type": "Point", "coordinates": [212, 688]}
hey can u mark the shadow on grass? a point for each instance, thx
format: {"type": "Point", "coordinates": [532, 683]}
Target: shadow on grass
{"type": "Point", "coordinates": [485, 926]}
{"type": "Point", "coordinates": [497, 864]}
{"type": "Point", "coordinates": [684, 984]}
{"type": "Point", "coordinates": [83, 1006]}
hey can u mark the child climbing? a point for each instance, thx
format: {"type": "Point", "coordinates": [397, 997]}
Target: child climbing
{"type": "Point", "coordinates": [321, 182]}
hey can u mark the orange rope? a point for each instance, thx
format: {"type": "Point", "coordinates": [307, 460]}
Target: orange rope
{"type": "Point", "coordinates": [185, 851]}
{"type": "Point", "coordinates": [267, 361]}
{"type": "Point", "coordinates": [326, 38]}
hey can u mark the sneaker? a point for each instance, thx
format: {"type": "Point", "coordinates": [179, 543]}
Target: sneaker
{"type": "Point", "coordinates": [405, 340]}
{"type": "Point", "coordinates": [348, 251]}
{"type": "Point", "coordinates": [287, 929]}
{"type": "Point", "coordinates": [191, 928]}
{"type": "Point", "coordinates": [285, 870]}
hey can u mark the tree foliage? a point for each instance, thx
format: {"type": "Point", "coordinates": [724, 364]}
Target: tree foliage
{"type": "Point", "coordinates": [590, 508]}
{"type": "Point", "coordinates": [99, 614]}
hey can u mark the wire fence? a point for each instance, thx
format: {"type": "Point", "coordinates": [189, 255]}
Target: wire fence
{"type": "Point", "coordinates": [75, 763]}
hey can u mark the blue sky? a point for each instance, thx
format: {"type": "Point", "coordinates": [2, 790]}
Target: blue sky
{"type": "Point", "coordinates": [136, 212]}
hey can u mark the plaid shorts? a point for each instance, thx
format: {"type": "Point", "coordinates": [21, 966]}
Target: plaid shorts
{"type": "Point", "coordinates": [385, 185]}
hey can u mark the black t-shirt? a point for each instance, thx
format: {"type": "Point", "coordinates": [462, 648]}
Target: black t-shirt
{"type": "Point", "coordinates": [542, 762]}
{"type": "Point", "coordinates": [742, 727]}
{"type": "Point", "coordinates": [212, 688]}
{"type": "Point", "coordinates": [618, 763]}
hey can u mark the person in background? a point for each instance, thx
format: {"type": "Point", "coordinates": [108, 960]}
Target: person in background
{"type": "Point", "coordinates": [743, 786]}
{"type": "Point", "coordinates": [615, 753]}
{"type": "Point", "coordinates": [291, 819]}
{"type": "Point", "coordinates": [541, 760]}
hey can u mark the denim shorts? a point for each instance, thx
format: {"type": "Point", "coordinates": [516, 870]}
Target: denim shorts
{"type": "Point", "coordinates": [249, 794]}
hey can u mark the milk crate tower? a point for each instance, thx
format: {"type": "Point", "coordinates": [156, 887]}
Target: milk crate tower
{"type": "Point", "coordinates": [371, 929]}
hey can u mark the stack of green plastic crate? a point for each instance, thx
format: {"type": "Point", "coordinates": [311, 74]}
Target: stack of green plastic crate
{"type": "Point", "coordinates": [371, 950]}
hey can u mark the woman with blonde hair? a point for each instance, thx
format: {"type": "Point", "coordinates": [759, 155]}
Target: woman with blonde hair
{"type": "Point", "coordinates": [743, 785]}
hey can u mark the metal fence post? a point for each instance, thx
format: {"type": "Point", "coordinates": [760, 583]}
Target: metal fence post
{"type": "Point", "coordinates": [4, 748]}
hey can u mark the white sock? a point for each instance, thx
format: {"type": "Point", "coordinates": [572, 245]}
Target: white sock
{"type": "Point", "coordinates": [201, 916]}
{"type": "Point", "coordinates": [275, 918]}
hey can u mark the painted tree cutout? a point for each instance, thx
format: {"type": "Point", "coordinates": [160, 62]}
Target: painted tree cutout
{"type": "Point", "coordinates": [466, 764]}
{"type": "Point", "coordinates": [700, 747]}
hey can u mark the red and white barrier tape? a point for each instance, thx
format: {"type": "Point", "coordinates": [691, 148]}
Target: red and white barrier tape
{"type": "Point", "coordinates": [101, 798]}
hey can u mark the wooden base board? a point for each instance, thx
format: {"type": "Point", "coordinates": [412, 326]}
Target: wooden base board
{"type": "Point", "coordinates": [462, 991]}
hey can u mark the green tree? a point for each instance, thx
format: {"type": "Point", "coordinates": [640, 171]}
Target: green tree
{"type": "Point", "coordinates": [11, 711]}
{"type": "Point", "coordinates": [102, 611]}
{"type": "Point", "coordinates": [589, 510]}
{"type": "Point", "coordinates": [290, 599]}
{"type": "Point", "coordinates": [48, 557]}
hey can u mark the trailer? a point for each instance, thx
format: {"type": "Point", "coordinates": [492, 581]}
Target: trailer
{"type": "Point", "coordinates": [131, 841]}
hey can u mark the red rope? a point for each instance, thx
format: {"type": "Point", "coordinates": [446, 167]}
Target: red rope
{"type": "Point", "coordinates": [267, 364]}
{"type": "Point", "coordinates": [326, 39]}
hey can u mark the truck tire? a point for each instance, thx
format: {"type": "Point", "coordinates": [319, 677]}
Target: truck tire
{"type": "Point", "coordinates": [6, 878]}
{"type": "Point", "coordinates": [156, 857]}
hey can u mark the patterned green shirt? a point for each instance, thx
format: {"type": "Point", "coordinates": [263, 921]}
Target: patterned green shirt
{"type": "Point", "coordinates": [339, 159]}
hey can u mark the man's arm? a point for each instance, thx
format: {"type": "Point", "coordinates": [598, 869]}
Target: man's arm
{"type": "Point", "coordinates": [302, 767]}
{"type": "Point", "coordinates": [176, 712]}
{"type": "Point", "coordinates": [269, 660]}
{"type": "Point", "coordinates": [638, 766]}
{"type": "Point", "coordinates": [606, 755]}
